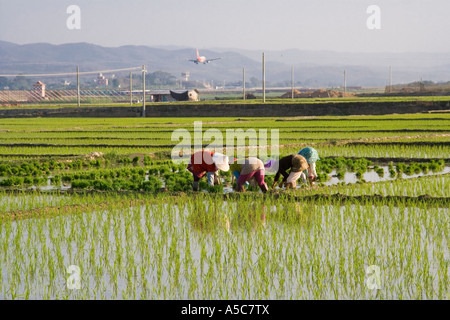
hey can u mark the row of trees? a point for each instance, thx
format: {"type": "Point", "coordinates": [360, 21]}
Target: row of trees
{"type": "Point", "coordinates": [157, 80]}
{"type": "Point", "coordinates": [154, 79]}
{"type": "Point", "coordinates": [17, 83]}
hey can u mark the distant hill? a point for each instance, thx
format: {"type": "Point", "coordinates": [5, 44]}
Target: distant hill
{"type": "Point", "coordinates": [312, 69]}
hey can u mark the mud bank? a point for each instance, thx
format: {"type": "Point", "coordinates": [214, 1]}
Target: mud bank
{"type": "Point", "coordinates": [236, 110]}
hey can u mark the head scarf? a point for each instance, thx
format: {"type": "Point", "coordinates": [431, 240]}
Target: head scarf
{"type": "Point", "coordinates": [311, 155]}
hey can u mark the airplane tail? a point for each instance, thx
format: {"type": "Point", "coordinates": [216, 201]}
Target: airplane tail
{"type": "Point", "coordinates": [198, 56]}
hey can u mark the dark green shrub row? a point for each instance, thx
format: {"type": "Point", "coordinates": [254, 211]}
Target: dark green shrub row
{"type": "Point", "coordinates": [18, 181]}
{"type": "Point", "coordinates": [181, 181]}
{"type": "Point", "coordinates": [135, 173]}
{"type": "Point", "coordinates": [342, 164]}
{"type": "Point", "coordinates": [163, 169]}
{"type": "Point", "coordinates": [119, 184]}
{"type": "Point", "coordinates": [36, 168]}
{"type": "Point", "coordinates": [416, 168]}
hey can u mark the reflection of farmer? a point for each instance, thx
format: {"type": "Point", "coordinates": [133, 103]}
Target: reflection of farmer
{"type": "Point", "coordinates": [296, 163]}
{"type": "Point", "coordinates": [252, 168]}
{"type": "Point", "coordinates": [207, 162]}
{"type": "Point", "coordinates": [311, 155]}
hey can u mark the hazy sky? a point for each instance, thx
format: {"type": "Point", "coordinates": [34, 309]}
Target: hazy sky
{"type": "Point", "coordinates": [337, 25]}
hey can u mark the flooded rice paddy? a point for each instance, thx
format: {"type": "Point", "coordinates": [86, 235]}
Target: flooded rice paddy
{"type": "Point", "coordinates": [217, 249]}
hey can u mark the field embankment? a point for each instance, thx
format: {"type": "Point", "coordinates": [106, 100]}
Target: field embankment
{"type": "Point", "coordinates": [213, 109]}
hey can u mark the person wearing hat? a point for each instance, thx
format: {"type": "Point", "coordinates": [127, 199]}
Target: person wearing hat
{"type": "Point", "coordinates": [252, 169]}
{"type": "Point", "coordinates": [207, 162]}
{"type": "Point", "coordinates": [296, 163]}
{"type": "Point", "coordinates": [311, 155]}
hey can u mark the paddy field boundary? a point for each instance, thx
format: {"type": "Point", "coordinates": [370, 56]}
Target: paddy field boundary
{"type": "Point", "coordinates": [273, 108]}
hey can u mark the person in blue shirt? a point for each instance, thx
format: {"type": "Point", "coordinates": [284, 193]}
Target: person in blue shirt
{"type": "Point", "coordinates": [311, 155]}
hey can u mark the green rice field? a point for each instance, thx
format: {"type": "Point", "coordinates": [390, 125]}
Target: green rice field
{"type": "Point", "coordinates": [96, 209]}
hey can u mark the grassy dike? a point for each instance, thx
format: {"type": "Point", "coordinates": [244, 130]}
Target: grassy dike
{"type": "Point", "coordinates": [241, 108]}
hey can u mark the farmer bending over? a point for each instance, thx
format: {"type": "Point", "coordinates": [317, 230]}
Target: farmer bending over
{"type": "Point", "coordinates": [207, 162]}
{"type": "Point", "coordinates": [296, 163]}
{"type": "Point", "coordinates": [252, 168]}
{"type": "Point", "coordinates": [311, 155]}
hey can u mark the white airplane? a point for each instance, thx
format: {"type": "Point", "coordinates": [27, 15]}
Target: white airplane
{"type": "Point", "coordinates": [203, 59]}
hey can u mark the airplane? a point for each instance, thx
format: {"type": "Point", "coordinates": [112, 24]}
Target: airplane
{"type": "Point", "coordinates": [203, 59]}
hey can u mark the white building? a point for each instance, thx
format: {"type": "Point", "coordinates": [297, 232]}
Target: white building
{"type": "Point", "coordinates": [101, 80]}
{"type": "Point", "coordinates": [39, 89]}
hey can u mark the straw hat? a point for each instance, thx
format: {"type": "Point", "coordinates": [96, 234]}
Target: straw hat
{"type": "Point", "coordinates": [221, 161]}
{"type": "Point", "coordinates": [299, 163]}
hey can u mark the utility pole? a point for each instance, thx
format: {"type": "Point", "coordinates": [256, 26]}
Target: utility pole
{"type": "Point", "coordinates": [144, 70]}
{"type": "Point", "coordinates": [264, 78]}
{"type": "Point", "coordinates": [243, 83]}
{"type": "Point", "coordinates": [390, 79]}
{"type": "Point", "coordinates": [131, 89]}
{"type": "Point", "coordinates": [78, 86]}
{"type": "Point", "coordinates": [292, 82]}
{"type": "Point", "coordinates": [345, 82]}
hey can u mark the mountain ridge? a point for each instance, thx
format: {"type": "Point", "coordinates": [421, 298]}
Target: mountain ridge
{"type": "Point", "coordinates": [312, 68]}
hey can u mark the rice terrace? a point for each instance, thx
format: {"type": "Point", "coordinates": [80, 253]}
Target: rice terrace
{"type": "Point", "coordinates": [95, 208]}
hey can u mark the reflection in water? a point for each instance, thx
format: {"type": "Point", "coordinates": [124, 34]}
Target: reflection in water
{"type": "Point", "coordinates": [207, 216]}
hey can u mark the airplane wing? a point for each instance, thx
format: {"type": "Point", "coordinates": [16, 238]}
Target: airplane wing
{"type": "Point", "coordinates": [194, 61]}
{"type": "Point", "coordinates": [209, 60]}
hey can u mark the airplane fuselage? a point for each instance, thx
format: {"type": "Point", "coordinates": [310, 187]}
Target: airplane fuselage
{"type": "Point", "coordinates": [202, 59]}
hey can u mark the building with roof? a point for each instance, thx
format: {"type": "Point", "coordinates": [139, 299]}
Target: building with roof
{"type": "Point", "coordinates": [39, 90]}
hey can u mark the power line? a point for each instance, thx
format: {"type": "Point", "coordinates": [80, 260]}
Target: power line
{"type": "Point", "coordinates": [69, 73]}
